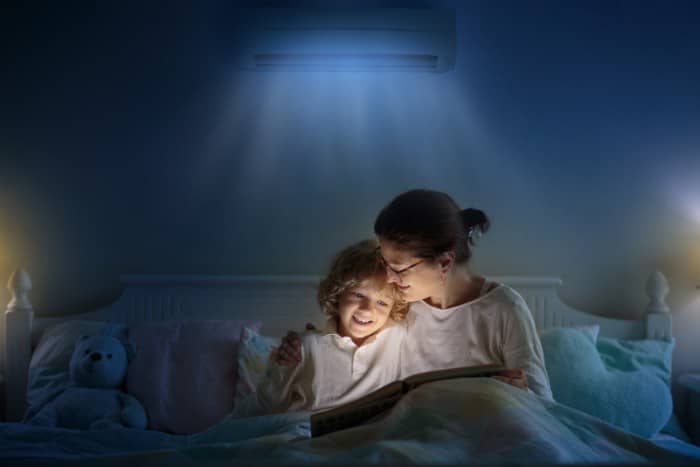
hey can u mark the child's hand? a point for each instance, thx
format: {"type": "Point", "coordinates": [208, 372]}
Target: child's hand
{"type": "Point", "coordinates": [515, 377]}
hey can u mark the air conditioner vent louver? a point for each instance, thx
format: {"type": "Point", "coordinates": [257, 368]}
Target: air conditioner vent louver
{"type": "Point", "coordinates": [328, 61]}
{"type": "Point", "coordinates": [343, 40]}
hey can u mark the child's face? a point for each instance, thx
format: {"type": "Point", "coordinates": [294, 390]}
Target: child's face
{"type": "Point", "coordinates": [363, 311]}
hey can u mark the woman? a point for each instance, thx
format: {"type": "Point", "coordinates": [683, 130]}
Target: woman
{"type": "Point", "coordinates": [456, 317]}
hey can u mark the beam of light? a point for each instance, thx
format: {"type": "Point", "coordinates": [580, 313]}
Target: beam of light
{"type": "Point", "coordinates": [383, 127]}
{"type": "Point", "coordinates": [220, 143]}
{"type": "Point", "coordinates": [365, 130]}
{"type": "Point", "coordinates": [266, 149]}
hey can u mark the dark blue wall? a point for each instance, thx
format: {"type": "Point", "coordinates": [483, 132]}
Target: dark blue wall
{"type": "Point", "coordinates": [129, 143]}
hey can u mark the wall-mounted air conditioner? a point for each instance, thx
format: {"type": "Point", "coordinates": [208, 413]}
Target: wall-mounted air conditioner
{"type": "Point", "coordinates": [346, 39]}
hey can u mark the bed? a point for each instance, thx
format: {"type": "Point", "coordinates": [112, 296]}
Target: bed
{"type": "Point", "coordinates": [478, 420]}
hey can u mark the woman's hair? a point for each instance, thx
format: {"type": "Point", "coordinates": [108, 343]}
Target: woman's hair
{"type": "Point", "coordinates": [430, 223]}
{"type": "Point", "coordinates": [350, 267]}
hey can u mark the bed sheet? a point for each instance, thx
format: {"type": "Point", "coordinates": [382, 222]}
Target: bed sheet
{"type": "Point", "coordinates": [476, 420]}
{"type": "Point", "coordinates": [675, 444]}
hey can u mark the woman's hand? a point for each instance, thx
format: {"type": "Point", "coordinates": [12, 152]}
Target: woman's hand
{"type": "Point", "coordinates": [288, 353]}
{"type": "Point", "coordinates": [515, 377]}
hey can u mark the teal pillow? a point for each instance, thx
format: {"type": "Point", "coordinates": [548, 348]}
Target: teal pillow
{"type": "Point", "coordinates": [652, 355]}
{"type": "Point", "coordinates": [625, 383]}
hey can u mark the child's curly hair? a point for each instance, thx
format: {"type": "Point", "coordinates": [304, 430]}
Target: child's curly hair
{"type": "Point", "coordinates": [350, 267]}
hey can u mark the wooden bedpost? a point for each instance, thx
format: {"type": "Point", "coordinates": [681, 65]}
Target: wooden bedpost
{"type": "Point", "coordinates": [658, 316]}
{"type": "Point", "coordinates": [18, 328]}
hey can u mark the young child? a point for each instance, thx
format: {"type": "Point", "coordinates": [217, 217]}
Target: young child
{"type": "Point", "coordinates": [358, 351]}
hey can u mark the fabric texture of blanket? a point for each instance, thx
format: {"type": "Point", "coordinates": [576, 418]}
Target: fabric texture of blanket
{"type": "Point", "coordinates": [474, 420]}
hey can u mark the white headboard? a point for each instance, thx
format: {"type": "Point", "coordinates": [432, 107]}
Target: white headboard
{"type": "Point", "coordinates": [280, 302]}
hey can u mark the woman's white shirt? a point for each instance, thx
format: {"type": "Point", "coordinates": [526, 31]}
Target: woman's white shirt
{"type": "Point", "coordinates": [333, 370]}
{"type": "Point", "coordinates": [495, 328]}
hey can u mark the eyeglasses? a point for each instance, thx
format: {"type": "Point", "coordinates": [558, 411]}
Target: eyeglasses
{"type": "Point", "coordinates": [398, 272]}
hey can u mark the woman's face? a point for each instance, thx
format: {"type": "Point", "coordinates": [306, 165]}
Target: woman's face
{"type": "Point", "coordinates": [364, 310]}
{"type": "Point", "coordinates": [417, 278]}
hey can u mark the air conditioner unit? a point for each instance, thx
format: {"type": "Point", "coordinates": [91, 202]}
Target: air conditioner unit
{"type": "Point", "coordinates": [346, 39]}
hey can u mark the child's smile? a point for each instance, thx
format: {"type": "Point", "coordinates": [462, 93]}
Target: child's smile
{"type": "Point", "coordinates": [361, 321]}
{"type": "Point", "coordinates": [363, 311]}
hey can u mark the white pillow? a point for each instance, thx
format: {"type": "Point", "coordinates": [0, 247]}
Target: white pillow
{"type": "Point", "coordinates": [254, 355]}
{"type": "Point", "coordinates": [55, 347]}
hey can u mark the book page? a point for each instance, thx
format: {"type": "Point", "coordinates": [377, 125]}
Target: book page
{"type": "Point", "coordinates": [385, 392]}
{"type": "Point", "coordinates": [449, 373]}
{"type": "Point", "coordinates": [362, 409]}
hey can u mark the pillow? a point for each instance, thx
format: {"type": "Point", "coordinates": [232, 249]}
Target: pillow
{"type": "Point", "coordinates": [591, 330]}
{"type": "Point", "coordinates": [48, 368]}
{"type": "Point", "coordinates": [625, 384]}
{"type": "Point", "coordinates": [654, 355]}
{"type": "Point", "coordinates": [55, 347]}
{"type": "Point", "coordinates": [185, 372]}
{"type": "Point", "coordinates": [631, 355]}
{"type": "Point", "coordinates": [253, 359]}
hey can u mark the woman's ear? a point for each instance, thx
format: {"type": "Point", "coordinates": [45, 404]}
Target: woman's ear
{"type": "Point", "coordinates": [446, 260]}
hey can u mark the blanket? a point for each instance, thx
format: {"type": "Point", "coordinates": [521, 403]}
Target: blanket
{"type": "Point", "coordinates": [474, 420]}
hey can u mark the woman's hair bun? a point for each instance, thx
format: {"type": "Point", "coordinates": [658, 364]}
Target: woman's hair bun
{"type": "Point", "coordinates": [475, 223]}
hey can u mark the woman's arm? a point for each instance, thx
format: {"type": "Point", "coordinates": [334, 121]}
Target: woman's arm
{"type": "Point", "coordinates": [522, 348]}
{"type": "Point", "coordinates": [289, 351]}
{"type": "Point", "coordinates": [285, 388]}
{"type": "Point", "coordinates": [280, 390]}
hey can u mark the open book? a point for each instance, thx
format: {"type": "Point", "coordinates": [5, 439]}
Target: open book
{"type": "Point", "coordinates": [366, 407]}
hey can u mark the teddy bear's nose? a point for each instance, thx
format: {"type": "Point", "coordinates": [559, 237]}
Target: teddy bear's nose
{"type": "Point", "coordinates": [95, 356]}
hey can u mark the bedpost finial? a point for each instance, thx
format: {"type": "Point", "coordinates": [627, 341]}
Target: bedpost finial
{"type": "Point", "coordinates": [657, 289]}
{"type": "Point", "coordinates": [19, 285]}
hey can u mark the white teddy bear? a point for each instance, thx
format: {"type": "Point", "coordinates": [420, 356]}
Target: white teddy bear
{"type": "Point", "coordinates": [94, 400]}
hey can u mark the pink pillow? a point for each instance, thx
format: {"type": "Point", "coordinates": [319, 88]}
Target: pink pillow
{"type": "Point", "coordinates": [185, 372]}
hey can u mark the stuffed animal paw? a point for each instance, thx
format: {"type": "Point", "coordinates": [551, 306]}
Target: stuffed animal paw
{"type": "Point", "coordinates": [133, 415]}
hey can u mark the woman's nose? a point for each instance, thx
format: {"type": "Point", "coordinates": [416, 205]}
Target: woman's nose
{"type": "Point", "coordinates": [392, 277]}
